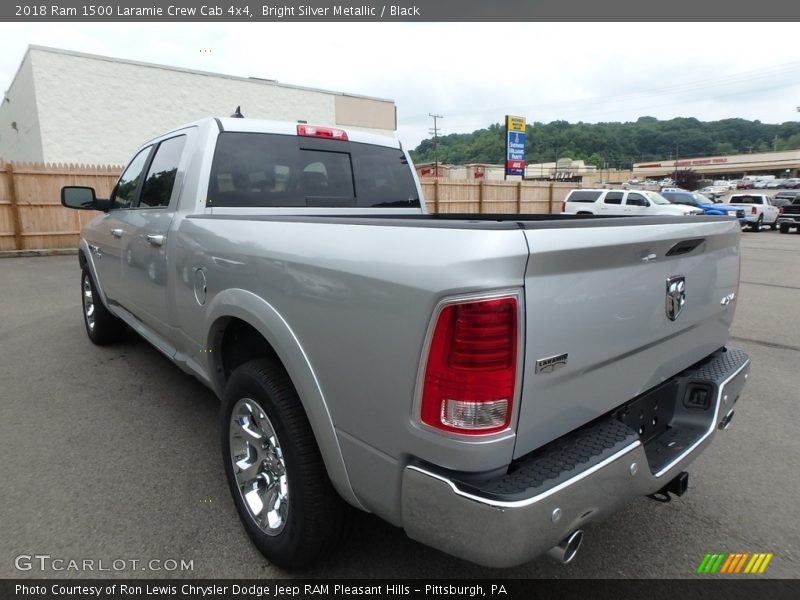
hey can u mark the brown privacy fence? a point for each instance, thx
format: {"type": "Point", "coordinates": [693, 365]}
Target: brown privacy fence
{"type": "Point", "coordinates": [31, 215]}
{"type": "Point", "coordinates": [32, 218]}
{"type": "Point", "coordinates": [529, 197]}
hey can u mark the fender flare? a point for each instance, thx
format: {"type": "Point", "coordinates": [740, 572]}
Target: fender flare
{"type": "Point", "coordinates": [264, 318]}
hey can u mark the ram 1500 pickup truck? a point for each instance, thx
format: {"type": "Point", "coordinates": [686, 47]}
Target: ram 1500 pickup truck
{"type": "Point", "coordinates": [758, 210]}
{"type": "Point", "coordinates": [489, 383]}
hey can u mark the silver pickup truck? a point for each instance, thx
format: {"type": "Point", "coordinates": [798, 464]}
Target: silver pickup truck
{"type": "Point", "coordinates": [489, 383]}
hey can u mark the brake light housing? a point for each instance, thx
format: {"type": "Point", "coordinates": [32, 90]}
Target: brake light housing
{"type": "Point", "coordinates": [470, 372]}
{"type": "Point", "coordinates": [330, 133]}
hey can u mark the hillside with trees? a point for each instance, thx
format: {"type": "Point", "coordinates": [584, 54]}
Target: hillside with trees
{"type": "Point", "coordinates": [615, 145]}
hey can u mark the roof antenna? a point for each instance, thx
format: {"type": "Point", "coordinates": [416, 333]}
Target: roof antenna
{"type": "Point", "coordinates": [238, 113]}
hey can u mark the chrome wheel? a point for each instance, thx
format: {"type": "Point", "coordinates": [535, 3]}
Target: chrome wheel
{"type": "Point", "coordinates": [88, 303]}
{"type": "Point", "coordinates": [259, 466]}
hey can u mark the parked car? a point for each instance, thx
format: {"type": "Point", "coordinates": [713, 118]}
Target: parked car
{"type": "Point", "coordinates": [622, 203]}
{"type": "Point", "coordinates": [775, 184]}
{"type": "Point", "coordinates": [713, 191]}
{"type": "Point", "coordinates": [745, 184]}
{"type": "Point", "coordinates": [369, 354]}
{"type": "Point", "coordinates": [758, 210]}
{"type": "Point", "coordinates": [791, 184]}
{"type": "Point", "coordinates": [790, 216]}
{"type": "Point", "coordinates": [699, 201]}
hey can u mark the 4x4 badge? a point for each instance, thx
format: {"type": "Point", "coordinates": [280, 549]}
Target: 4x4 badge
{"type": "Point", "coordinates": [676, 296]}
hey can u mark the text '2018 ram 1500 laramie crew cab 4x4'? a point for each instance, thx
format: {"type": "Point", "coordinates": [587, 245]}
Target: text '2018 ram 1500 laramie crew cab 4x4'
{"type": "Point", "coordinates": [489, 383]}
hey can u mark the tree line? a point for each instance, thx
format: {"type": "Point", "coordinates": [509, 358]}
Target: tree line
{"type": "Point", "coordinates": [615, 145]}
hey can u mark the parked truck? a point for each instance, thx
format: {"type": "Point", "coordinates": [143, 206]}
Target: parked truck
{"type": "Point", "coordinates": [758, 210]}
{"type": "Point", "coordinates": [790, 216]}
{"type": "Point", "coordinates": [489, 383]}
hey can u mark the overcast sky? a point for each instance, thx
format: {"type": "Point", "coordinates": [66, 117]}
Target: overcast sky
{"type": "Point", "coordinates": [475, 73]}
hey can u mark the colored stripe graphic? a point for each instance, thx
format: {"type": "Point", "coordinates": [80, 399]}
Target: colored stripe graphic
{"type": "Point", "coordinates": [734, 563]}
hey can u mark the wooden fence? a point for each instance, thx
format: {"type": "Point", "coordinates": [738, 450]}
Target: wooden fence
{"type": "Point", "coordinates": [32, 218]}
{"type": "Point", "coordinates": [527, 197]}
{"type": "Point", "coordinates": [31, 215]}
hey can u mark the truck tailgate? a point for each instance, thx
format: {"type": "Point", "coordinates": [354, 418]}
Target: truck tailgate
{"type": "Point", "coordinates": [597, 293]}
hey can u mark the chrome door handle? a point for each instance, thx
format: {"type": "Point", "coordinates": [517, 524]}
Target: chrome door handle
{"type": "Point", "coordinates": [155, 240]}
{"type": "Point", "coordinates": [117, 233]}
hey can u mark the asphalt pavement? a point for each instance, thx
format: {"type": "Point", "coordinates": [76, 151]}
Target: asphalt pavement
{"type": "Point", "coordinates": [112, 454]}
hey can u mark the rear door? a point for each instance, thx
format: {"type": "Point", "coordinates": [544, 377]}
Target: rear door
{"type": "Point", "coordinates": [147, 223]}
{"type": "Point", "coordinates": [611, 204]}
{"type": "Point", "coordinates": [596, 296]}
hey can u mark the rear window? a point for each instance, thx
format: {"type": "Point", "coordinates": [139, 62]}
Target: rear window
{"type": "Point", "coordinates": [583, 196]}
{"type": "Point", "coordinates": [269, 170]}
{"type": "Point", "coordinates": [746, 200]}
{"type": "Point", "coordinates": [613, 198]}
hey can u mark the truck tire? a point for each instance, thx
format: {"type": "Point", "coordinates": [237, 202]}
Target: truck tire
{"type": "Point", "coordinates": [274, 468]}
{"type": "Point", "coordinates": [757, 225]}
{"type": "Point", "coordinates": [774, 225]}
{"type": "Point", "coordinates": [101, 326]}
{"type": "Point", "coordinates": [784, 228]}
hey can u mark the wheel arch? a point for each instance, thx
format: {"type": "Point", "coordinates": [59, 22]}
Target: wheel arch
{"type": "Point", "coordinates": [240, 318]}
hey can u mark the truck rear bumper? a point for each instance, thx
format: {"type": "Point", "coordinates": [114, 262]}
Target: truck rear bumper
{"type": "Point", "coordinates": [510, 519]}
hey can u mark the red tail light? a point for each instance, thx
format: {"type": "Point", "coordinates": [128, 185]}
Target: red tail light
{"type": "Point", "coordinates": [330, 133]}
{"type": "Point", "coordinates": [753, 210]}
{"type": "Point", "coordinates": [471, 368]}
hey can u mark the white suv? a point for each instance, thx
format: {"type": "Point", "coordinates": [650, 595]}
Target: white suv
{"type": "Point", "coordinates": [624, 203]}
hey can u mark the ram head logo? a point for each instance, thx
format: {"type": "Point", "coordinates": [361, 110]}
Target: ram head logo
{"type": "Point", "coordinates": [676, 296]}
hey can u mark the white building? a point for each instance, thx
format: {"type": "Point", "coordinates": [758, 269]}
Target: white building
{"type": "Point", "coordinates": [72, 107]}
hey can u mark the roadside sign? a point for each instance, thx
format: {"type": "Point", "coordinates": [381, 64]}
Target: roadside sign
{"type": "Point", "coordinates": [515, 145]}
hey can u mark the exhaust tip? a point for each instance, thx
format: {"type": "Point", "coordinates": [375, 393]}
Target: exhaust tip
{"type": "Point", "coordinates": [567, 548]}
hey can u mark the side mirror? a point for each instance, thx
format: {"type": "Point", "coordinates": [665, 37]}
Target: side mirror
{"type": "Point", "coordinates": [82, 198]}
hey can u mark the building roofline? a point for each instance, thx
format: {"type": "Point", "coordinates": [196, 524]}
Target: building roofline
{"type": "Point", "coordinates": [257, 80]}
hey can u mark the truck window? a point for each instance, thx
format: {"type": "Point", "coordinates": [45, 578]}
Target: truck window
{"type": "Point", "coordinates": [158, 184]}
{"type": "Point", "coordinates": [637, 200]}
{"type": "Point", "coordinates": [613, 198]}
{"type": "Point", "coordinates": [270, 170]}
{"type": "Point", "coordinates": [123, 194]}
{"type": "Point", "coordinates": [583, 196]}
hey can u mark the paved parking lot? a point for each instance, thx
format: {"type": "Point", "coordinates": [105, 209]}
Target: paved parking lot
{"type": "Point", "coordinates": [112, 454]}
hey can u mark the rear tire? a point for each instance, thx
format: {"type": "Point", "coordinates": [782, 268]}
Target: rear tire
{"type": "Point", "coordinates": [774, 225]}
{"type": "Point", "coordinates": [784, 228]}
{"type": "Point", "coordinates": [275, 471]}
{"type": "Point", "coordinates": [101, 326]}
{"type": "Point", "coordinates": [757, 225]}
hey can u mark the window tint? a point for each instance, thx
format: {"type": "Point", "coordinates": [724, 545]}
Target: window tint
{"type": "Point", "coordinates": [745, 200]}
{"type": "Point", "coordinates": [583, 196]}
{"type": "Point", "coordinates": [160, 179]}
{"type": "Point", "coordinates": [613, 198]}
{"type": "Point", "coordinates": [259, 169]}
{"type": "Point", "coordinates": [125, 191]}
{"type": "Point", "coordinates": [636, 200]}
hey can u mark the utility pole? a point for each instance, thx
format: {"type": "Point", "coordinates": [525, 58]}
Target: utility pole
{"type": "Point", "coordinates": [675, 178]}
{"type": "Point", "coordinates": [435, 133]}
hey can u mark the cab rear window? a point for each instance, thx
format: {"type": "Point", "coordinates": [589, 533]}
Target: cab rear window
{"type": "Point", "coordinates": [269, 170]}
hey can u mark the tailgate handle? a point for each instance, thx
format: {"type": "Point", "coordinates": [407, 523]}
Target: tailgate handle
{"type": "Point", "coordinates": [685, 247]}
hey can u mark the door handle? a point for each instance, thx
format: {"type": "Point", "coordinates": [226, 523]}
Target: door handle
{"type": "Point", "coordinates": [155, 240]}
{"type": "Point", "coordinates": [117, 233]}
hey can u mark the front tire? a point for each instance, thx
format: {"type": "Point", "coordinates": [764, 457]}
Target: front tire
{"type": "Point", "coordinates": [102, 327]}
{"type": "Point", "coordinates": [274, 468]}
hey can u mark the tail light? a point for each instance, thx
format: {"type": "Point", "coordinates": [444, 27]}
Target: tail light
{"type": "Point", "coordinates": [780, 210]}
{"type": "Point", "coordinates": [753, 210]}
{"type": "Point", "coordinates": [471, 368]}
{"type": "Point", "coordinates": [330, 133]}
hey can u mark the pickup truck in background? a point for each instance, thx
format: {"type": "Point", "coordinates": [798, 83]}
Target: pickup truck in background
{"type": "Point", "coordinates": [489, 383]}
{"type": "Point", "coordinates": [790, 216]}
{"type": "Point", "coordinates": [758, 210]}
{"type": "Point", "coordinates": [700, 201]}
{"type": "Point", "coordinates": [625, 203]}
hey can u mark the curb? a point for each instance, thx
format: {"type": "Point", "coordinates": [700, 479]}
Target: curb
{"type": "Point", "coordinates": [43, 252]}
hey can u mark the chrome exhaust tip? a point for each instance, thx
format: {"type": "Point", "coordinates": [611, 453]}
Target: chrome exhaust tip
{"type": "Point", "coordinates": [567, 548]}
